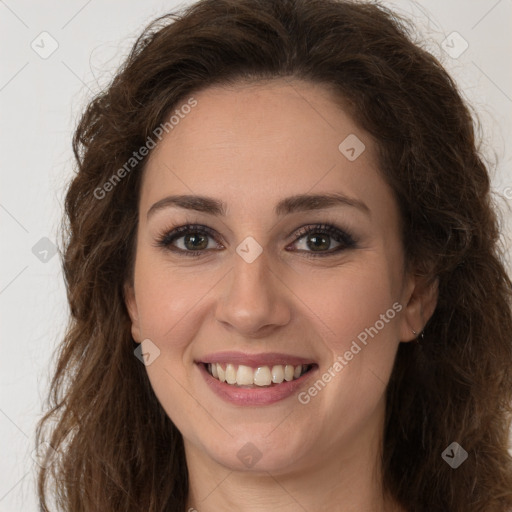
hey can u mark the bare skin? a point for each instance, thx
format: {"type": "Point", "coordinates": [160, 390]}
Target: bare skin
{"type": "Point", "coordinates": [251, 146]}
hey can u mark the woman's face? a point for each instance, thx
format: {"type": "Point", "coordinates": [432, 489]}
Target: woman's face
{"type": "Point", "coordinates": [257, 291]}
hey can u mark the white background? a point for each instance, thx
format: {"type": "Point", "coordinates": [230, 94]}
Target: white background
{"type": "Point", "coordinates": [40, 100]}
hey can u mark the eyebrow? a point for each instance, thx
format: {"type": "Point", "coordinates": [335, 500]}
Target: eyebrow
{"type": "Point", "coordinates": [296, 203]}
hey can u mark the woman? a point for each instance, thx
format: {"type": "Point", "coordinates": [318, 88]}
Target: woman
{"type": "Point", "coordinates": [284, 275]}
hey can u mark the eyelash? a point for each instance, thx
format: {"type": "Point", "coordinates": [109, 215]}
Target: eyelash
{"type": "Point", "coordinates": [342, 236]}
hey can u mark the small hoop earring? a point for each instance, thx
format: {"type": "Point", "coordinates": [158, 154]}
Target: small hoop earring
{"type": "Point", "coordinates": [416, 340]}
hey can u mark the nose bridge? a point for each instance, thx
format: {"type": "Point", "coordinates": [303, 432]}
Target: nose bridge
{"type": "Point", "coordinates": [253, 297]}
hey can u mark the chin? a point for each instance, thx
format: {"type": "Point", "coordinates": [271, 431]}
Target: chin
{"type": "Point", "coordinates": [257, 451]}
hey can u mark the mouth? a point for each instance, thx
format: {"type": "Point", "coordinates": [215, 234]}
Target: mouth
{"type": "Point", "coordinates": [265, 376]}
{"type": "Point", "coordinates": [245, 379]}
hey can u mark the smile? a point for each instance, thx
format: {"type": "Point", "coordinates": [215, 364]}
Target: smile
{"type": "Point", "coordinates": [262, 376]}
{"type": "Point", "coordinates": [249, 379]}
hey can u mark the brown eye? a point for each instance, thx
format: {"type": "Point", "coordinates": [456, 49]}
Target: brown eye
{"type": "Point", "coordinates": [195, 240]}
{"type": "Point", "coordinates": [318, 240]}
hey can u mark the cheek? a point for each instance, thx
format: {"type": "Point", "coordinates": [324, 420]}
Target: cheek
{"type": "Point", "coordinates": [343, 302]}
{"type": "Point", "coordinates": [167, 296]}
{"type": "Point", "coordinates": [348, 301]}
{"type": "Point", "coordinates": [356, 312]}
{"type": "Point", "coordinates": [167, 301]}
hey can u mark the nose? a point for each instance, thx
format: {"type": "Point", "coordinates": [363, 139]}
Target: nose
{"type": "Point", "coordinates": [254, 300]}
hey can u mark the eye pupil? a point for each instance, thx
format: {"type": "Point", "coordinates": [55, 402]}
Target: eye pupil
{"type": "Point", "coordinates": [315, 245]}
{"type": "Point", "coordinates": [194, 238]}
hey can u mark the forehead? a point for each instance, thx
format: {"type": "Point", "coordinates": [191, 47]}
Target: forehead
{"type": "Point", "coordinates": [260, 141]}
{"type": "Point", "coordinates": [262, 116]}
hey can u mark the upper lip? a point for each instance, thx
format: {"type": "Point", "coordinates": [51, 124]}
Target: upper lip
{"type": "Point", "coordinates": [254, 360]}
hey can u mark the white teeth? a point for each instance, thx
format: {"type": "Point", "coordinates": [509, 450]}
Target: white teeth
{"type": "Point", "coordinates": [261, 376]}
{"type": "Point", "coordinates": [221, 372]}
{"type": "Point", "coordinates": [277, 374]}
{"type": "Point", "coordinates": [230, 374]}
{"type": "Point", "coordinates": [244, 376]}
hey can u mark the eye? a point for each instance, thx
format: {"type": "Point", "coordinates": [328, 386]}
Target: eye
{"type": "Point", "coordinates": [193, 240]}
{"type": "Point", "coordinates": [324, 234]}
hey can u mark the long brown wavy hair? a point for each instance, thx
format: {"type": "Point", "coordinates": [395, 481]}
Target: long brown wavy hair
{"type": "Point", "coordinates": [116, 449]}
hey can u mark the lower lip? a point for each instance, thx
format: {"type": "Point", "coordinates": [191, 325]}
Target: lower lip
{"type": "Point", "coordinates": [254, 396]}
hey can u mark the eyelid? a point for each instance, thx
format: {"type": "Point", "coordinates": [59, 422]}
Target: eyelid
{"type": "Point", "coordinates": [331, 230]}
{"type": "Point", "coordinates": [169, 235]}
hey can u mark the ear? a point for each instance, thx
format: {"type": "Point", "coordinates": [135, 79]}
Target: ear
{"type": "Point", "coordinates": [420, 299]}
{"type": "Point", "coordinates": [131, 306]}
